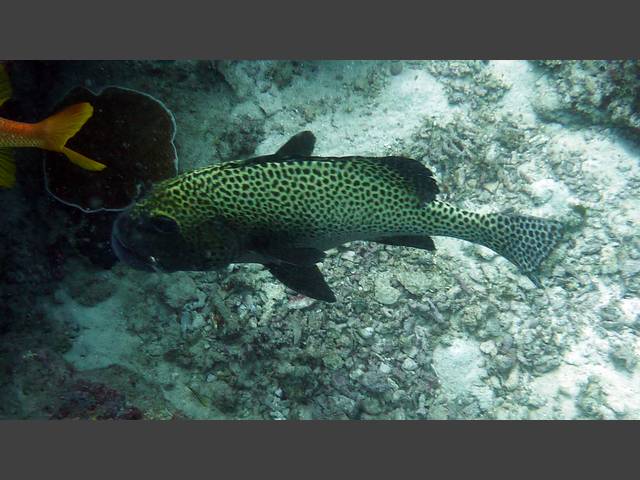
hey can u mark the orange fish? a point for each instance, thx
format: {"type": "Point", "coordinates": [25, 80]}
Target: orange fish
{"type": "Point", "coordinates": [49, 134]}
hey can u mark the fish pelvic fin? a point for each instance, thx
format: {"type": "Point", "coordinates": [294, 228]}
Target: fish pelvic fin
{"type": "Point", "coordinates": [523, 240]}
{"type": "Point", "coordinates": [307, 280]}
{"type": "Point", "coordinates": [7, 169]}
{"type": "Point", "coordinates": [60, 127]}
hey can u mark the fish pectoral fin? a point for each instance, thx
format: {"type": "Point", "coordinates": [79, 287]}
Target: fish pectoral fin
{"type": "Point", "coordinates": [292, 254]}
{"type": "Point", "coordinates": [416, 241]}
{"type": "Point", "coordinates": [300, 144]}
{"type": "Point", "coordinates": [307, 280]}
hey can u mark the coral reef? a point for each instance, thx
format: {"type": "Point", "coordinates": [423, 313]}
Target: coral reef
{"type": "Point", "coordinates": [455, 333]}
{"type": "Point", "coordinates": [600, 92]}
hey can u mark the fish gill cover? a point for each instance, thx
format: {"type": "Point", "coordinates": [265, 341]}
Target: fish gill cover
{"type": "Point", "coordinates": [451, 333]}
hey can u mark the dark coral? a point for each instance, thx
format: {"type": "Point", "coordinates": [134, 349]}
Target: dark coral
{"type": "Point", "coordinates": [131, 133]}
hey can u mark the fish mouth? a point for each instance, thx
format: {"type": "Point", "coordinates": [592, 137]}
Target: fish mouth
{"type": "Point", "coordinates": [129, 256]}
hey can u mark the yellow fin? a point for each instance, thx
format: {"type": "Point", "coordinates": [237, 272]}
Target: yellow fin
{"type": "Point", "coordinates": [7, 169]}
{"type": "Point", "coordinates": [60, 127]}
{"type": "Point", "coordinates": [5, 85]}
{"type": "Point", "coordinates": [82, 161]}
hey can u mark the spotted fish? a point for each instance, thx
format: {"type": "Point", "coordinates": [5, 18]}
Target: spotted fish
{"type": "Point", "coordinates": [284, 210]}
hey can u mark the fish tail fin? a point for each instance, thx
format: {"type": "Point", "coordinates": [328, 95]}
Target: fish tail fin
{"type": "Point", "coordinates": [60, 127]}
{"type": "Point", "coordinates": [523, 240]}
{"type": "Point", "coordinates": [7, 169]}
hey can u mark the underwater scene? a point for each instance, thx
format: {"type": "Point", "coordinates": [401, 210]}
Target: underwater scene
{"type": "Point", "coordinates": [298, 240]}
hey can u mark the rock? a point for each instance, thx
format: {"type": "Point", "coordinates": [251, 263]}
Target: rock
{"type": "Point", "coordinates": [384, 368]}
{"type": "Point", "coordinates": [489, 347]}
{"type": "Point", "coordinates": [332, 361]}
{"type": "Point", "coordinates": [504, 363]}
{"type": "Point", "coordinates": [416, 282]}
{"type": "Point", "coordinates": [299, 302]}
{"type": "Point", "coordinates": [345, 405]}
{"type": "Point", "coordinates": [372, 406]}
{"type": "Point", "coordinates": [631, 268]}
{"type": "Point", "coordinates": [349, 256]}
{"type": "Point", "coordinates": [366, 332]}
{"type": "Point", "coordinates": [409, 364]}
{"type": "Point", "coordinates": [439, 412]}
{"type": "Point", "coordinates": [624, 356]}
{"type": "Point", "coordinates": [375, 382]}
{"type": "Point", "coordinates": [396, 68]}
{"type": "Point", "coordinates": [197, 321]}
{"type": "Point", "coordinates": [222, 396]}
{"type": "Point", "coordinates": [180, 291]}
{"type": "Point", "coordinates": [591, 399]}
{"type": "Point", "coordinates": [512, 381]}
{"type": "Point", "coordinates": [89, 291]}
{"type": "Point", "coordinates": [384, 292]}
{"type": "Point", "coordinates": [459, 366]}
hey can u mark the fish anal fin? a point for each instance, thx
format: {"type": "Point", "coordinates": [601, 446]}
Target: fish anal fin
{"type": "Point", "coordinates": [416, 241]}
{"type": "Point", "coordinates": [301, 144]}
{"type": "Point", "coordinates": [288, 253]}
{"type": "Point", "coordinates": [307, 280]}
{"type": "Point", "coordinates": [419, 177]}
{"type": "Point", "coordinates": [82, 161]}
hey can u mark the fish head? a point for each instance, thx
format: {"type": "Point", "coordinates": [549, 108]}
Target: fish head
{"type": "Point", "coordinates": [164, 233]}
{"type": "Point", "coordinates": [149, 242]}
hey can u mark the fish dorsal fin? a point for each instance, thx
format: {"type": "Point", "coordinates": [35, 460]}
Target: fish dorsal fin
{"type": "Point", "coordinates": [5, 85]}
{"type": "Point", "coordinates": [301, 144]}
{"type": "Point", "coordinates": [415, 174]}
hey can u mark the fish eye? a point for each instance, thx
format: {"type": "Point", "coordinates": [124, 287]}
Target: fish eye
{"type": "Point", "coordinates": [164, 224]}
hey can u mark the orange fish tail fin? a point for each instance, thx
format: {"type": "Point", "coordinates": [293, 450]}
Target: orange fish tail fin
{"type": "Point", "coordinates": [7, 169]}
{"type": "Point", "coordinates": [60, 127]}
{"type": "Point", "coordinates": [82, 161]}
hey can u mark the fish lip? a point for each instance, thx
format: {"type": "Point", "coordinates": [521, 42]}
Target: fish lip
{"type": "Point", "coordinates": [127, 255]}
